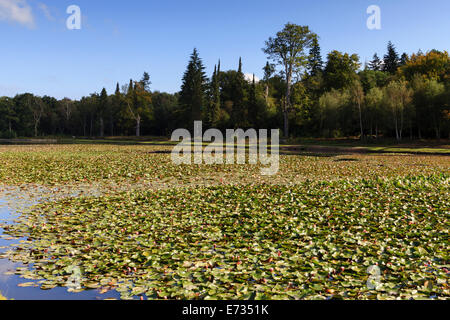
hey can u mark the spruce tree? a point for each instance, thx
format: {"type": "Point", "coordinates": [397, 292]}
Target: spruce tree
{"type": "Point", "coordinates": [315, 62]}
{"type": "Point", "coordinates": [214, 100]}
{"type": "Point", "coordinates": [391, 59]}
{"type": "Point", "coordinates": [103, 103]}
{"type": "Point", "coordinates": [269, 69]}
{"type": "Point", "coordinates": [130, 88]}
{"type": "Point", "coordinates": [252, 105]}
{"type": "Point", "coordinates": [218, 74]}
{"type": "Point", "coordinates": [193, 90]}
{"type": "Point", "coordinates": [239, 112]}
{"type": "Point", "coordinates": [115, 109]}
{"type": "Point", "coordinates": [145, 81]}
{"type": "Point", "coordinates": [403, 59]}
{"type": "Point", "coordinates": [376, 64]}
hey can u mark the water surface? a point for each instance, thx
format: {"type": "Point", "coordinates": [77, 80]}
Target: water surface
{"type": "Point", "coordinates": [12, 202]}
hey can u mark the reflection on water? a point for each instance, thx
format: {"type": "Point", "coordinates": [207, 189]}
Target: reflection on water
{"type": "Point", "coordinates": [13, 201]}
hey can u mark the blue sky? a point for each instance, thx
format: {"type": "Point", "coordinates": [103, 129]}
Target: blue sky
{"type": "Point", "coordinates": [120, 40]}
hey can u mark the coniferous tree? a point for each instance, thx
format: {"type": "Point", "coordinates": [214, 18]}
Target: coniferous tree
{"type": "Point", "coordinates": [269, 70]}
{"type": "Point", "coordinates": [114, 109]}
{"type": "Point", "coordinates": [9, 115]}
{"type": "Point", "coordinates": [145, 81]}
{"type": "Point", "coordinates": [376, 64]}
{"type": "Point", "coordinates": [403, 59]}
{"type": "Point", "coordinates": [391, 59]}
{"type": "Point", "coordinates": [130, 91]}
{"type": "Point", "coordinates": [239, 113]}
{"type": "Point", "coordinates": [102, 105]}
{"type": "Point", "coordinates": [216, 97]}
{"type": "Point", "coordinates": [214, 100]}
{"type": "Point", "coordinates": [315, 62]}
{"type": "Point", "coordinates": [193, 90]}
{"type": "Point", "coordinates": [252, 105]}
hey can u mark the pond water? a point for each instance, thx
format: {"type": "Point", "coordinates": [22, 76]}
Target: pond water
{"type": "Point", "coordinates": [10, 207]}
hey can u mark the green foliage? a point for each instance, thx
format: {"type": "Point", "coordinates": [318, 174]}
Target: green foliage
{"type": "Point", "coordinates": [374, 106]}
{"type": "Point", "coordinates": [193, 90]}
{"type": "Point", "coordinates": [9, 117]}
{"type": "Point", "coordinates": [397, 98]}
{"type": "Point", "coordinates": [330, 105]}
{"type": "Point", "coordinates": [287, 49]}
{"type": "Point", "coordinates": [372, 79]}
{"type": "Point", "coordinates": [213, 111]}
{"type": "Point", "coordinates": [288, 98]}
{"type": "Point", "coordinates": [391, 59]}
{"type": "Point", "coordinates": [239, 112]}
{"type": "Point", "coordinates": [376, 64]}
{"type": "Point", "coordinates": [313, 240]}
{"type": "Point", "coordinates": [340, 70]}
{"type": "Point", "coordinates": [315, 63]}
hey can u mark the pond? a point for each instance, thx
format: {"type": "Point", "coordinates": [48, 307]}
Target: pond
{"type": "Point", "coordinates": [11, 204]}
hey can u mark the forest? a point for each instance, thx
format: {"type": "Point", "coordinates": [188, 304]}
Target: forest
{"type": "Point", "coordinates": [400, 96]}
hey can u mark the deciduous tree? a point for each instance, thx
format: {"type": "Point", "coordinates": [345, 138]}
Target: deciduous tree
{"type": "Point", "coordinates": [287, 49]}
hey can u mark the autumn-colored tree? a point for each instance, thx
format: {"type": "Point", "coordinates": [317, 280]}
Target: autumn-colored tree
{"type": "Point", "coordinates": [434, 65]}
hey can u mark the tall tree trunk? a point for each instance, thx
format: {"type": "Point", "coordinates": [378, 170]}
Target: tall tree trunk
{"type": "Point", "coordinates": [102, 129]}
{"type": "Point", "coordinates": [410, 129]}
{"type": "Point", "coordinates": [401, 124]}
{"type": "Point", "coordinates": [321, 124]}
{"type": "Point", "coordinates": [111, 125]}
{"type": "Point", "coordinates": [138, 126]}
{"type": "Point", "coordinates": [360, 121]}
{"type": "Point", "coordinates": [287, 104]}
{"type": "Point", "coordinates": [266, 93]}
{"type": "Point", "coordinates": [436, 127]}
{"type": "Point", "coordinates": [396, 126]}
{"type": "Point", "coordinates": [286, 123]}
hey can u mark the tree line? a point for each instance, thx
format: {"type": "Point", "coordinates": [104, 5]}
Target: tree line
{"type": "Point", "coordinates": [400, 96]}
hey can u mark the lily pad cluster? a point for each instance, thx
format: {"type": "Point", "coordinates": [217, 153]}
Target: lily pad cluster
{"type": "Point", "coordinates": [309, 240]}
{"type": "Point", "coordinates": [151, 167]}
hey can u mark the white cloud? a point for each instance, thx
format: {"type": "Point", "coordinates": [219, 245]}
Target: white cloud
{"type": "Point", "coordinates": [46, 11]}
{"type": "Point", "coordinates": [16, 11]}
{"type": "Point", "coordinates": [249, 77]}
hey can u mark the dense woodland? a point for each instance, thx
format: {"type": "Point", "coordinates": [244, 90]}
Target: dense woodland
{"type": "Point", "coordinates": [403, 96]}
